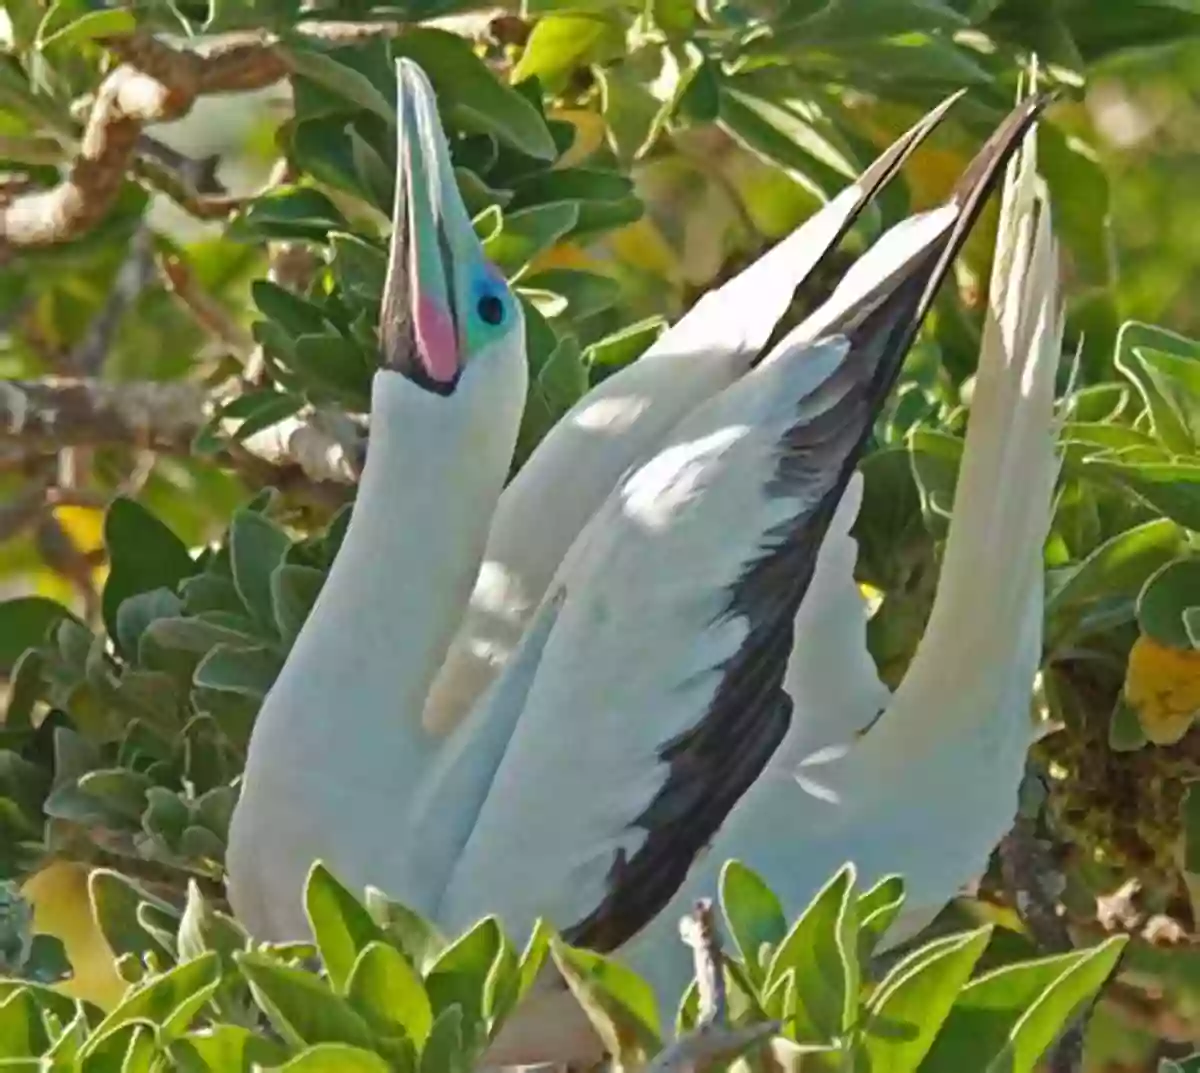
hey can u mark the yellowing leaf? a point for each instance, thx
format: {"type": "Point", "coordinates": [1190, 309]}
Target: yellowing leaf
{"type": "Point", "coordinates": [1162, 685]}
{"type": "Point", "coordinates": [590, 131]}
{"type": "Point", "coordinates": [642, 245]}
{"type": "Point", "coordinates": [61, 907]}
{"type": "Point", "coordinates": [85, 526]}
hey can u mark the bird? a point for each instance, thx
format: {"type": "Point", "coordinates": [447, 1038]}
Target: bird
{"type": "Point", "coordinates": [688, 675]}
{"type": "Point", "coordinates": [619, 422]}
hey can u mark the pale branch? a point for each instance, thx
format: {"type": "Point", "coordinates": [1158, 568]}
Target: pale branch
{"type": "Point", "coordinates": [155, 82]}
{"type": "Point", "coordinates": [713, 1040]}
{"type": "Point", "coordinates": [50, 414]}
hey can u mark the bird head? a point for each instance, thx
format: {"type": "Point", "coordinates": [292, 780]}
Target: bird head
{"type": "Point", "coordinates": [449, 322]}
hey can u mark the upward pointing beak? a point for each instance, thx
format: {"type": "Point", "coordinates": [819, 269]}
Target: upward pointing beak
{"type": "Point", "coordinates": [432, 247]}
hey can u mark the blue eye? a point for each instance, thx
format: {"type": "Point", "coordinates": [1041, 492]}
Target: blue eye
{"type": "Point", "coordinates": [490, 309]}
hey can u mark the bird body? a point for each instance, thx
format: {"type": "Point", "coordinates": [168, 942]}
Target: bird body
{"type": "Point", "coordinates": [668, 652]}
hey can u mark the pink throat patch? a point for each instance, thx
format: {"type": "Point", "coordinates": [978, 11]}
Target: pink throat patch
{"type": "Point", "coordinates": [437, 342]}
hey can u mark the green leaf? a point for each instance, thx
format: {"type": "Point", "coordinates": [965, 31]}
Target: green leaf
{"type": "Point", "coordinates": [419, 941]}
{"type": "Point", "coordinates": [753, 916]}
{"type": "Point", "coordinates": [912, 1001]}
{"type": "Point", "coordinates": [341, 925]}
{"type": "Point", "coordinates": [1004, 1021]}
{"type": "Point", "coordinates": [780, 132]}
{"type": "Point", "coordinates": [22, 1029]}
{"type": "Point", "coordinates": [300, 1005]}
{"type": "Point", "coordinates": [25, 623]}
{"type": "Point", "coordinates": [294, 590]}
{"type": "Point", "coordinates": [138, 612]}
{"type": "Point", "coordinates": [64, 25]}
{"type": "Point", "coordinates": [204, 928]}
{"type": "Point", "coordinates": [587, 293]}
{"type": "Point", "coordinates": [225, 1048]}
{"type": "Point", "coordinates": [459, 975]}
{"type": "Point", "coordinates": [444, 1052]}
{"type": "Point", "coordinates": [294, 314]}
{"type": "Point", "coordinates": [169, 1001]}
{"type": "Point", "coordinates": [324, 68]}
{"type": "Point", "coordinates": [115, 900]}
{"type": "Point", "coordinates": [200, 633]}
{"type": "Point", "coordinates": [249, 672]}
{"type": "Point", "coordinates": [1120, 566]}
{"type": "Point", "coordinates": [822, 950]}
{"type": "Point", "coordinates": [625, 346]}
{"type": "Point", "coordinates": [386, 990]}
{"type": "Point", "coordinates": [471, 92]}
{"type": "Point", "coordinates": [561, 43]}
{"type": "Point", "coordinates": [288, 212]}
{"type": "Point", "coordinates": [1164, 599]}
{"type": "Point", "coordinates": [1165, 368]}
{"type": "Point", "coordinates": [335, 1058]}
{"type": "Point", "coordinates": [877, 910]}
{"type": "Point", "coordinates": [143, 554]}
{"type": "Point", "coordinates": [256, 547]}
{"type": "Point", "coordinates": [525, 233]}
{"type": "Point", "coordinates": [618, 1003]}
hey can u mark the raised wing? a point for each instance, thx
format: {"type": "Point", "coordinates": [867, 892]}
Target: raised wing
{"type": "Point", "coordinates": [658, 700]}
{"type": "Point", "coordinates": [619, 423]}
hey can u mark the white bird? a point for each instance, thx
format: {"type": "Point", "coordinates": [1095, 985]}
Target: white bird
{"type": "Point", "coordinates": [621, 421]}
{"type": "Point", "coordinates": [642, 702]}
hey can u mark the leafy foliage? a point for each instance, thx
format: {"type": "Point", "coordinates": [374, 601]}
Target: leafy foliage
{"type": "Point", "coordinates": [202, 997]}
{"type": "Point", "coordinates": [617, 159]}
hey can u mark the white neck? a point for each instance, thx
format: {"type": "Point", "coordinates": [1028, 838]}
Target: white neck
{"type": "Point", "coordinates": [347, 704]}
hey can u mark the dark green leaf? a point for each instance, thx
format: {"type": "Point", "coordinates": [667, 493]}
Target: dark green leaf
{"type": "Point", "coordinates": [289, 212]}
{"type": "Point", "coordinates": [248, 671]}
{"type": "Point", "coordinates": [256, 547]}
{"type": "Point", "coordinates": [324, 68]}
{"type": "Point", "coordinates": [294, 590]}
{"type": "Point", "coordinates": [143, 554]}
{"type": "Point", "coordinates": [1164, 599]}
{"type": "Point", "coordinates": [25, 623]}
{"type": "Point", "coordinates": [467, 88]}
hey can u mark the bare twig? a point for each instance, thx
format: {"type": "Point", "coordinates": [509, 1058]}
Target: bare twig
{"type": "Point", "coordinates": [88, 356]}
{"type": "Point", "coordinates": [206, 310]}
{"type": "Point", "coordinates": [713, 1039]}
{"type": "Point", "coordinates": [47, 415]}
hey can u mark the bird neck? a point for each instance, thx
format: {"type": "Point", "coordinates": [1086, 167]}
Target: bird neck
{"type": "Point", "coordinates": [356, 678]}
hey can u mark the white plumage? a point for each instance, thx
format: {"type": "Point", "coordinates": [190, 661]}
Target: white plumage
{"type": "Point", "coordinates": [647, 668]}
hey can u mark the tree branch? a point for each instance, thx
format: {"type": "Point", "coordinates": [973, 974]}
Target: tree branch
{"type": "Point", "coordinates": [155, 82]}
{"type": "Point", "coordinates": [712, 1040]}
{"type": "Point", "coordinates": [47, 415]}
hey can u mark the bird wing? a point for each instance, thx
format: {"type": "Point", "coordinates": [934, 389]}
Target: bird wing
{"type": "Point", "coordinates": [619, 423]}
{"type": "Point", "coordinates": [659, 697]}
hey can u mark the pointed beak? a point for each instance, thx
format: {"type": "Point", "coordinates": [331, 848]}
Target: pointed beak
{"type": "Point", "coordinates": [433, 246]}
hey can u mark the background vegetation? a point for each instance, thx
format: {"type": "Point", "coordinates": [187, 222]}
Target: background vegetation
{"type": "Point", "coordinates": [193, 202]}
